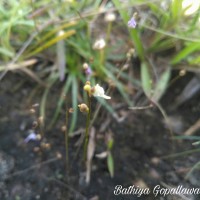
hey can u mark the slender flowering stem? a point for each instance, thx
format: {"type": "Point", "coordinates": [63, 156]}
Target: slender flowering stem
{"type": "Point", "coordinates": [101, 60]}
{"type": "Point", "coordinates": [109, 28]}
{"type": "Point", "coordinates": [67, 140]}
{"type": "Point", "coordinates": [87, 127]}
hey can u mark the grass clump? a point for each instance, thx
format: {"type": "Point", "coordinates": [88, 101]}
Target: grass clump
{"type": "Point", "coordinates": [64, 36]}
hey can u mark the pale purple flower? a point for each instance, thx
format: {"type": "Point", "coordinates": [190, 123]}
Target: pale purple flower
{"type": "Point", "coordinates": [132, 23]}
{"type": "Point", "coordinates": [88, 71]}
{"type": "Point", "coordinates": [31, 136]}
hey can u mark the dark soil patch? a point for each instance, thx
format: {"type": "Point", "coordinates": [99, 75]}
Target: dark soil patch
{"type": "Point", "coordinates": [141, 141]}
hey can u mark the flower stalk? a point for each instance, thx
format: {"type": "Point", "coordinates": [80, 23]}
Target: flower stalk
{"type": "Point", "coordinates": [67, 140]}
{"type": "Point", "coordinates": [96, 91]}
{"type": "Point", "coordinates": [87, 127]}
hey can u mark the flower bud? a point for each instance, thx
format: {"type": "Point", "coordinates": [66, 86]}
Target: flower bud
{"type": "Point", "coordinates": [83, 108]}
{"type": "Point", "coordinates": [99, 44]}
{"type": "Point", "coordinates": [87, 87]}
{"type": "Point", "coordinates": [110, 17]}
{"type": "Point", "coordinates": [71, 110]}
{"type": "Point", "coordinates": [85, 66]}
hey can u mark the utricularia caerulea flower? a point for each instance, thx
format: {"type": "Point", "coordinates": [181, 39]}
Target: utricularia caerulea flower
{"type": "Point", "coordinates": [96, 91]}
{"type": "Point", "coordinates": [99, 92]}
{"type": "Point", "coordinates": [32, 137]}
{"type": "Point", "coordinates": [132, 23]}
{"type": "Point", "coordinates": [87, 70]}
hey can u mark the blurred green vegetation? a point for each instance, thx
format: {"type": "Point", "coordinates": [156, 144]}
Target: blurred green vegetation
{"type": "Point", "coordinates": [62, 34]}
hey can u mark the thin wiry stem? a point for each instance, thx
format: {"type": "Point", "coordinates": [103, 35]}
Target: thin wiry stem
{"type": "Point", "coordinates": [87, 127]}
{"type": "Point", "coordinates": [67, 141]}
{"type": "Point", "coordinates": [108, 92]}
{"type": "Point", "coordinates": [196, 166]}
{"type": "Point", "coordinates": [167, 121]}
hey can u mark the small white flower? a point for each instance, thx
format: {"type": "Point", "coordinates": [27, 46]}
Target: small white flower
{"type": "Point", "coordinates": [61, 32]}
{"type": "Point", "coordinates": [99, 92]}
{"type": "Point", "coordinates": [110, 17]}
{"type": "Point", "coordinates": [99, 44]}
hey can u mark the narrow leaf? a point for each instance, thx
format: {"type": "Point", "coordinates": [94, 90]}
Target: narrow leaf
{"type": "Point", "coordinates": [110, 164]}
{"type": "Point", "coordinates": [51, 34]}
{"type": "Point", "coordinates": [6, 52]}
{"type": "Point", "coordinates": [161, 85]}
{"type": "Point", "coordinates": [176, 9]}
{"type": "Point", "coordinates": [185, 52]}
{"type": "Point", "coordinates": [61, 100]}
{"type": "Point", "coordinates": [61, 58]}
{"type": "Point", "coordinates": [146, 79]}
{"type": "Point", "coordinates": [52, 42]}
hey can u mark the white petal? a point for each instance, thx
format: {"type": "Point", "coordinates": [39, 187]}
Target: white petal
{"type": "Point", "coordinates": [99, 44]}
{"type": "Point", "coordinates": [106, 97]}
{"type": "Point", "coordinates": [99, 92]}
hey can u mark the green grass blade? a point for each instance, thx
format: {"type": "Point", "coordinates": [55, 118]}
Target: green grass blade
{"type": "Point", "coordinates": [194, 61]}
{"type": "Point", "coordinates": [161, 85]}
{"type": "Point", "coordinates": [110, 163]}
{"type": "Point", "coordinates": [176, 9]}
{"type": "Point", "coordinates": [61, 100]}
{"type": "Point", "coordinates": [52, 42]}
{"type": "Point", "coordinates": [51, 34]}
{"type": "Point", "coordinates": [56, 30]}
{"type": "Point", "coordinates": [106, 105]}
{"type": "Point", "coordinates": [6, 52]}
{"type": "Point", "coordinates": [146, 80]}
{"type": "Point", "coordinates": [187, 137]}
{"type": "Point", "coordinates": [44, 97]}
{"type": "Point", "coordinates": [196, 166]}
{"type": "Point", "coordinates": [173, 35]}
{"type": "Point", "coordinates": [192, 47]}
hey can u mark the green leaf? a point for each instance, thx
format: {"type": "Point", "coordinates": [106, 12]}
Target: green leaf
{"type": "Point", "coordinates": [146, 80]}
{"type": "Point", "coordinates": [52, 42]}
{"type": "Point", "coordinates": [106, 105]}
{"type": "Point", "coordinates": [6, 52]}
{"type": "Point", "coordinates": [48, 36]}
{"type": "Point", "coordinates": [52, 80]}
{"type": "Point", "coordinates": [110, 164]}
{"type": "Point", "coordinates": [110, 144]}
{"type": "Point", "coordinates": [192, 47]}
{"type": "Point", "coordinates": [61, 100]}
{"type": "Point", "coordinates": [194, 61]}
{"type": "Point", "coordinates": [161, 85]}
{"type": "Point", "coordinates": [176, 9]}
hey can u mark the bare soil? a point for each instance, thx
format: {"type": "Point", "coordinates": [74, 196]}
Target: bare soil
{"type": "Point", "coordinates": [29, 172]}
